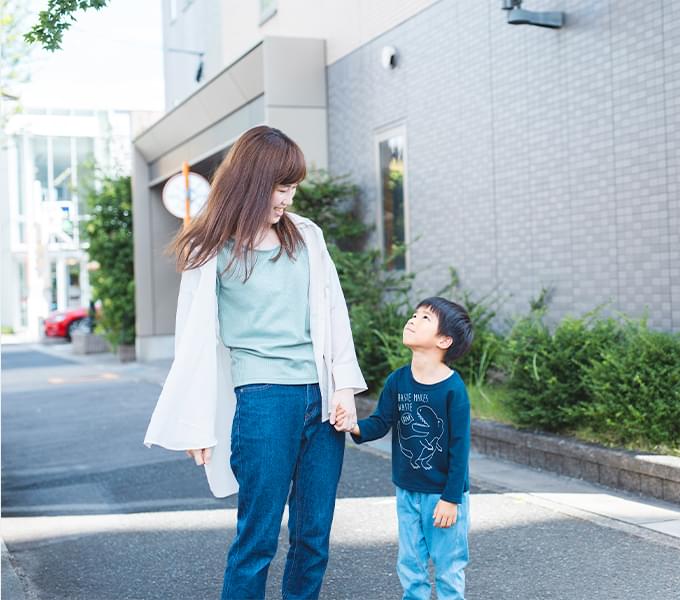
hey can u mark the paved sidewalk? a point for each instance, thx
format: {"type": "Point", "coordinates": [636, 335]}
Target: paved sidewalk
{"type": "Point", "coordinates": [646, 517]}
{"type": "Point", "coordinates": [91, 514]}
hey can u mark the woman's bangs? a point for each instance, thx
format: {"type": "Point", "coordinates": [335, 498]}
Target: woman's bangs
{"type": "Point", "coordinates": [293, 169]}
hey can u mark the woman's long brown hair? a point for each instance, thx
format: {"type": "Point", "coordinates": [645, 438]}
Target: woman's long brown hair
{"type": "Point", "coordinates": [239, 203]}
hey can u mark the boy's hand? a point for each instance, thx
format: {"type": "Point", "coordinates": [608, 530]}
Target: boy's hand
{"type": "Point", "coordinates": [344, 399]}
{"type": "Point", "coordinates": [445, 514]}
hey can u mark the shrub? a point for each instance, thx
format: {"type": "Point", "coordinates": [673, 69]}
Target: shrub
{"type": "Point", "coordinates": [109, 232]}
{"type": "Point", "coordinates": [332, 203]}
{"type": "Point", "coordinates": [377, 299]}
{"type": "Point", "coordinates": [487, 344]}
{"type": "Point", "coordinates": [547, 387]}
{"type": "Point", "coordinates": [635, 388]}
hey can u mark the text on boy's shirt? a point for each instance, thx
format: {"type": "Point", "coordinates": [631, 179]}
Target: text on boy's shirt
{"type": "Point", "coordinates": [405, 400]}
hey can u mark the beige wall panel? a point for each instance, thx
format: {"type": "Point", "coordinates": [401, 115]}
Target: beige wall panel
{"type": "Point", "coordinates": [294, 72]}
{"type": "Point", "coordinates": [307, 126]}
{"type": "Point", "coordinates": [141, 213]}
{"type": "Point", "coordinates": [208, 141]}
{"type": "Point", "coordinates": [165, 279]}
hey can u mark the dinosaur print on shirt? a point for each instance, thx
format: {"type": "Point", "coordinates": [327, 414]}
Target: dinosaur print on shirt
{"type": "Point", "coordinates": [419, 433]}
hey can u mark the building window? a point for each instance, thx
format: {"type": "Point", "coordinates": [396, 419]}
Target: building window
{"type": "Point", "coordinates": [53, 286]}
{"type": "Point", "coordinates": [73, 282]}
{"type": "Point", "coordinates": [21, 223]}
{"type": "Point", "coordinates": [267, 10]}
{"type": "Point", "coordinates": [23, 295]}
{"type": "Point", "coordinates": [62, 168]}
{"type": "Point", "coordinates": [392, 218]}
{"type": "Point", "coordinates": [40, 162]}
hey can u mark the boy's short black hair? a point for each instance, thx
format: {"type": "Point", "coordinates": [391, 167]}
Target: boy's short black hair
{"type": "Point", "coordinates": [454, 321]}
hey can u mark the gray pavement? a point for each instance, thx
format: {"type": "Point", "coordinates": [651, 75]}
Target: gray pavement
{"type": "Point", "coordinates": [89, 513]}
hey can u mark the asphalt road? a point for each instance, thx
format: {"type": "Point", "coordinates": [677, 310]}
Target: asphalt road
{"type": "Point", "coordinates": [90, 513]}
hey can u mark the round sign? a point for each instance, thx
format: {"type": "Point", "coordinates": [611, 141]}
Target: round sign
{"type": "Point", "coordinates": [174, 194]}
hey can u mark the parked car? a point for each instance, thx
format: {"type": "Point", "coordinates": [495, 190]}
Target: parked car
{"type": "Point", "coordinates": [64, 323]}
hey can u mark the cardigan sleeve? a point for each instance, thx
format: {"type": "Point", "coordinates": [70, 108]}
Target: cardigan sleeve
{"type": "Point", "coordinates": [184, 416]}
{"type": "Point", "coordinates": [345, 366]}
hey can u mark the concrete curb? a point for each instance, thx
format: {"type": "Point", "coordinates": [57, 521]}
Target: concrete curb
{"type": "Point", "coordinates": [652, 475]}
{"type": "Point", "coordinates": [11, 585]}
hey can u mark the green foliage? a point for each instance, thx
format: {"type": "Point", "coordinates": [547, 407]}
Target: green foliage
{"type": "Point", "coordinates": [331, 202]}
{"type": "Point", "coordinates": [547, 387]}
{"type": "Point", "coordinates": [377, 297]}
{"type": "Point", "coordinates": [635, 388]}
{"type": "Point", "coordinates": [487, 344]}
{"type": "Point", "coordinates": [490, 402]}
{"type": "Point", "coordinates": [13, 48]}
{"type": "Point", "coordinates": [59, 16]}
{"type": "Point", "coordinates": [15, 55]}
{"type": "Point", "coordinates": [615, 381]}
{"type": "Point", "coordinates": [109, 233]}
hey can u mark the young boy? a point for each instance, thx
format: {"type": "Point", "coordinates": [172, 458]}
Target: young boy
{"type": "Point", "coordinates": [426, 404]}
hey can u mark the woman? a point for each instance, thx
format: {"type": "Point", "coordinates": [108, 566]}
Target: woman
{"type": "Point", "coordinates": [263, 358]}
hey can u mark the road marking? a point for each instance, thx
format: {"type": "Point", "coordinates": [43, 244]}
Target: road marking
{"type": "Point", "coordinates": [136, 505]}
{"type": "Point", "coordinates": [83, 379]}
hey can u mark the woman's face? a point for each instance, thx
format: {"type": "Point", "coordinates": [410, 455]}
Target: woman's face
{"type": "Point", "coordinates": [282, 198]}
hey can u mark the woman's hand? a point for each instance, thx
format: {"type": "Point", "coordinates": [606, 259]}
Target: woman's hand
{"type": "Point", "coordinates": [340, 416]}
{"type": "Point", "coordinates": [344, 399]}
{"type": "Point", "coordinates": [201, 457]}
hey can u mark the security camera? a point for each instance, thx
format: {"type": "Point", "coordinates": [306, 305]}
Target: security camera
{"type": "Point", "coordinates": [518, 16]}
{"type": "Point", "coordinates": [389, 57]}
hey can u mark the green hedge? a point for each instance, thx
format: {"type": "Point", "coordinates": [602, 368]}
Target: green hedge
{"type": "Point", "coordinates": [635, 388]}
{"type": "Point", "coordinates": [547, 369]}
{"type": "Point", "coordinates": [614, 378]}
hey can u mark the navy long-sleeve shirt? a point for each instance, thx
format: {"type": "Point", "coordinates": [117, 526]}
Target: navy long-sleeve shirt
{"type": "Point", "coordinates": [431, 437]}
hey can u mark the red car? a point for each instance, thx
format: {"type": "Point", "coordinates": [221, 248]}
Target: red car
{"type": "Point", "coordinates": [64, 323]}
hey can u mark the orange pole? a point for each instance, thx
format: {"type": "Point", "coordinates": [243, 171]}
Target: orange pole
{"type": "Point", "coordinates": [187, 200]}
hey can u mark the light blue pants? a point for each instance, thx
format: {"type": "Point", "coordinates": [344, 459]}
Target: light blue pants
{"type": "Point", "coordinates": [420, 540]}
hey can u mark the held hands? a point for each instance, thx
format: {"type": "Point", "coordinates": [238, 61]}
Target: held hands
{"type": "Point", "coordinates": [445, 514]}
{"type": "Point", "coordinates": [200, 456]}
{"type": "Point", "coordinates": [340, 417]}
{"type": "Point", "coordinates": [343, 414]}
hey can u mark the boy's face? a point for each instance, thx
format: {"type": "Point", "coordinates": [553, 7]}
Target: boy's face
{"type": "Point", "coordinates": [420, 331]}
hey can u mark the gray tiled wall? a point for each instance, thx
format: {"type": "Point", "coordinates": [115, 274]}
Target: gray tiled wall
{"type": "Point", "coordinates": [535, 157]}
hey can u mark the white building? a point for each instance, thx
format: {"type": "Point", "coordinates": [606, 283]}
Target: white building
{"type": "Point", "coordinates": [44, 255]}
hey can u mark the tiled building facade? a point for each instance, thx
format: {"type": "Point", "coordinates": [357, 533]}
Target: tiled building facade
{"type": "Point", "coordinates": [534, 157]}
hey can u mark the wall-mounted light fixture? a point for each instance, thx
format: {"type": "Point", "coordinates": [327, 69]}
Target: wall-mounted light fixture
{"type": "Point", "coordinates": [199, 70]}
{"type": "Point", "coordinates": [518, 16]}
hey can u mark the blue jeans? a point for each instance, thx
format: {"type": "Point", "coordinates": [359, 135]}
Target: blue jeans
{"type": "Point", "coordinates": [278, 439]}
{"type": "Point", "coordinates": [420, 540]}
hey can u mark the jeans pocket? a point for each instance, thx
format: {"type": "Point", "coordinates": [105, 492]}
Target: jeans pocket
{"type": "Point", "coordinates": [252, 387]}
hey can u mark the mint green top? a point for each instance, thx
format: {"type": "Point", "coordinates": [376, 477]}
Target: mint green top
{"type": "Point", "coordinates": [265, 321]}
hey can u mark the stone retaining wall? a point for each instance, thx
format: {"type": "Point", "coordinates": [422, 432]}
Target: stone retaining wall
{"type": "Point", "coordinates": [646, 474]}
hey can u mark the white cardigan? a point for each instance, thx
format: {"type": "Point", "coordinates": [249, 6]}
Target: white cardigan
{"type": "Point", "coordinates": [197, 403]}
